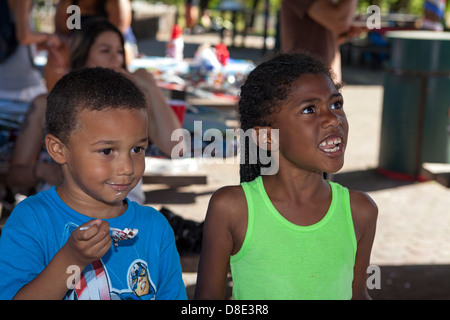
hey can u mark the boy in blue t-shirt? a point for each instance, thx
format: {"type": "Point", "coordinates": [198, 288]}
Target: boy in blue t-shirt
{"type": "Point", "coordinates": [58, 243]}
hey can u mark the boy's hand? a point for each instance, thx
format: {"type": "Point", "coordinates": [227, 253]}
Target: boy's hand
{"type": "Point", "coordinates": [89, 242]}
{"type": "Point", "coordinates": [83, 247]}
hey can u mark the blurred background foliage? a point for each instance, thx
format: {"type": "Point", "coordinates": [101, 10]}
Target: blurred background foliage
{"type": "Point", "coordinates": [414, 7]}
{"type": "Point", "coordinates": [387, 6]}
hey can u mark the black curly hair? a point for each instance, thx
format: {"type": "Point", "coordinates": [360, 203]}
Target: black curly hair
{"type": "Point", "coordinates": [91, 89]}
{"type": "Point", "coordinates": [263, 93]}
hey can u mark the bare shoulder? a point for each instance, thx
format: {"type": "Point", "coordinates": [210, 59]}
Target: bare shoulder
{"type": "Point", "coordinates": [364, 212]}
{"type": "Point", "coordinates": [228, 201]}
{"type": "Point", "coordinates": [228, 192]}
{"type": "Point", "coordinates": [221, 239]}
{"type": "Point", "coordinates": [227, 216]}
{"type": "Point", "coordinates": [361, 201]}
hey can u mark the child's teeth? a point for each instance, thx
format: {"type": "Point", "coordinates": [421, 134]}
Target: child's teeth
{"type": "Point", "coordinates": [331, 142]}
{"type": "Point", "coordinates": [333, 149]}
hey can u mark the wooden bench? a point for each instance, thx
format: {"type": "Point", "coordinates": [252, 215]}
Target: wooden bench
{"type": "Point", "coordinates": [440, 172]}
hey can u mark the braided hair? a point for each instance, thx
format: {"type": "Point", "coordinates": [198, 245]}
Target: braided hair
{"type": "Point", "coordinates": [263, 94]}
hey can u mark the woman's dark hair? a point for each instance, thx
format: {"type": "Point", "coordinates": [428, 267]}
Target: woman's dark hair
{"type": "Point", "coordinates": [84, 38]}
{"type": "Point", "coordinates": [263, 93]}
{"type": "Point", "coordinates": [93, 89]}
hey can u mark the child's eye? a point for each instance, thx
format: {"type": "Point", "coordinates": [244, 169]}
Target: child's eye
{"type": "Point", "coordinates": [337, 105]}
{"type": "Point", "coordinates": [106, 152]}
{"type": "Point", "coordinates": [138, 149]}
{"type": "Point", "coordinates": [308, 109]}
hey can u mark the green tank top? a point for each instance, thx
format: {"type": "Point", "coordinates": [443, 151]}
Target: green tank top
{"type": "Point", "coordinates": [282, 260]}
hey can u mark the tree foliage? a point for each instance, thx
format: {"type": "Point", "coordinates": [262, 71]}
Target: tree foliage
{"type": "Point", "coordinates": [387, 6]}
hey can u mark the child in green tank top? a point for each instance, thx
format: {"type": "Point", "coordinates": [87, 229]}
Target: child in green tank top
{"type": "Point", "coordinates": [286, 232]}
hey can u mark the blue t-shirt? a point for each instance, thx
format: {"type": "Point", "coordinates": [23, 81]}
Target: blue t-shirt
{"type": "Point", "coordinates": [145, 267]}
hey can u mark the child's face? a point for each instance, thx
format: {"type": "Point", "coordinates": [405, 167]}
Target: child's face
{"type": "Point", "coordinates": [312, 125]}
{"type": "Point", "coordinates": [106, 52]}
{"type": "Point", "coordinates": [105, 156]}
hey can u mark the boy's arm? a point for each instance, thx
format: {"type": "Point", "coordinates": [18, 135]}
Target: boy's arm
{"type": "Point", "coordinates": [82, 247]}
{"type": "Point", "coordinates": [364, 212]}
{"type": "Point", "coordinates": [219, 242]}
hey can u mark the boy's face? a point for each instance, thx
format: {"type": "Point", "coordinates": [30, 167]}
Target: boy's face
{"type": "Point", "coordinates": [105, 156]}
{"type": "Point", "coordinates": [313, 128]}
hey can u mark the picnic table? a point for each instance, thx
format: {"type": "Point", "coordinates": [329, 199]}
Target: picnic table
{"type": "Point", "coordinates": [202, 79]}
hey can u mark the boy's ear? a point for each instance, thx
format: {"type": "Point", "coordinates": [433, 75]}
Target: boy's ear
{"type": "Point", "coordinates": [55, 148]}
{"type": "Point", "coordinates": [266, 138]}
